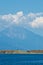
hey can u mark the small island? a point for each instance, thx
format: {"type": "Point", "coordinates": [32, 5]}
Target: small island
{"type": "Point", "coordinates": [21, 52]}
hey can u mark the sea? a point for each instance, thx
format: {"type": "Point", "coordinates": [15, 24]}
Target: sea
{"type": "Point", "coordinates": [21, 59]}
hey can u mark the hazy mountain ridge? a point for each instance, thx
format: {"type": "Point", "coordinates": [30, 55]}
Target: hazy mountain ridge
{"type": "Point", "coordinates": [18, 42]}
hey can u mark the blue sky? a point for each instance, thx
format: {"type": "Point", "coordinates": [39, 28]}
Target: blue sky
{"type": "Point", "coordinates": [21, 24]}
{"type": "Point", "coordinates": [12, 6]}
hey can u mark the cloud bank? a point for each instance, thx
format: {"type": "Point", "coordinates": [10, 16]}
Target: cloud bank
{"type": "Point", "coordinates": [31, 21]}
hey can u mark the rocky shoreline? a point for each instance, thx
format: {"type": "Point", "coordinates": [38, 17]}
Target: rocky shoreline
{"type": "Point", "coordinates": [21, 52]}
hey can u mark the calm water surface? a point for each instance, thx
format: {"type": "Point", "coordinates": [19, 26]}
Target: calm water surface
{"type": "Point", "coordinates": [21, 59]}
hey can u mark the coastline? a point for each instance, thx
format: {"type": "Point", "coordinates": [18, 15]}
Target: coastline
{"type": "Point", "coordinates": [21, 52]}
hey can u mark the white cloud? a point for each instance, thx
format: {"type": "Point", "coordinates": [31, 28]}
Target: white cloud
{"type": "Point", "coordinates": [31, 21]}
{"type": "Point", "coordinates": [38, 22]}
{"type": "Point", "coordinates": [9, 19]}
{"type": "Point", "coordinates": [12, 17]}
{"type": "Point", "coordinates": [36, 25]}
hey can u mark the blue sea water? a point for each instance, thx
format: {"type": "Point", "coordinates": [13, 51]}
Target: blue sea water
{"type": "Point", "coordinates": [21, 59]}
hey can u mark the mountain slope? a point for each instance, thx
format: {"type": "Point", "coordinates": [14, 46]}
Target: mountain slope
{"type": "Point", "coordinates": [16, 37]}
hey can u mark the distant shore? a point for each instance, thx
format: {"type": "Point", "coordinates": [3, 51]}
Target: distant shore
{"type": "Point", "coordinates": [21, 52]}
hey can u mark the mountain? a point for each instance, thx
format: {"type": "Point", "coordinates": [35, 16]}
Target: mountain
{"type": "Point", "coordinates": [19, 38]}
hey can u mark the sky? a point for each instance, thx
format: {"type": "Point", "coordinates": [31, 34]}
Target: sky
{"type": "Point", "coordinates": [21, 24]}
{"type": "Point", "coordinates": [13, 6]}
